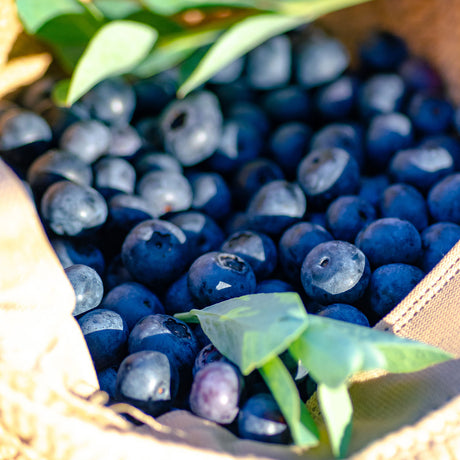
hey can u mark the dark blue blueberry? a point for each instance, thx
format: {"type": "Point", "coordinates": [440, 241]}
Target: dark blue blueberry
{"type": "Point", "coordinates": [215, 392]}
{"type": "Point", "coordinates": [372, 188]}
{"type": "Point", "coordinates": [148, 129]}
{"type": "Point", "coordinates": [132, 301]}
{"type": "Point", "coordinates": [383, 51]}
{"type": "Point", "coordinates": [191, 127]}
{"type": "Point", "coordinates": [236, 222]}
{"type": "Point", "coordinates": [148, 380]}
{"type": "Point", "coordinates": [288, 144]}
{"type": "Point", "coordinates": [251, 114]}
{"type": "Point", "coordinates": [290, 103]}
{"type": "Point", "coordinates": [389, 285]}
{"type": "Point", "coordinates": [335, 272]}
{"type": "Point", "coordinates": [390, 240]}
{"type": "Point", "coordinates": [211, 194]}
{"type": "Point", "coordinates": [202, 232]}
{"type": "Point", "coordinates": [421, 167]}
{"type": "Point", "coordinates": [60, 118]}
{"type": "Point", "coordinates": [217, 276]}
{"type": "Point", "coordinates": [256, 248]}
{"type": "Point", "coordinates": [229, 73]}
{"type": "Point", "coordinates": [273, 285]}
{"type": "Point", "coordinates": [326, 174]}
{"type": "Point", "coordinates": [319, 60]}
{"type": "Point", "coordinates": [165, 191]}
{"type": "Point", "coordinates": [125, 141]}
{"type": "Point", "coordinates": [269, 65]}
{"type": "Point", "coordinates": [113, 176]}
{"type": "Point", "coordinates": [156, 161]}
{"type": "Point", "coordinates": [112, 101]}
{"type": "Point", "coordinates": [106, 335]}
{"type": "Point", "coordinates": [154, 94]}
{"type": "Point", "coordinates": [443, 199]}
{"type": "Point", "coordinates": [437, 240]}
{"type": "Point", "coordinates": [88, 287]}
{"type": "Point", "coordinates": [345, 312]}
{"type": "Point", "coordinates": [155, 252]}
{"type": "Point", "coordinates": [88, 139]}
{"type": "Point", "coordinates": [72, 209]}
{"type": "Point", "coordinates": [387, 133]}
{"type": "Point", "coordinates": [276, 206]}
{"type": "Point", "coordinates": [178, 298]}
{"type": "Point", "coordinates": [405, 202]}
{"type": "Point", "coordinates": [337, 100]}
{"type": "Point", "coordinates": [430, 114]}
{"type": "Point", "coordinates": [207, 355]}
{"type": "Point", "coordinates": [236, 92]}
{"type": "Point", "coordinates": [347, 215]}
{"type": "Point", "coordinates": [260, 419]}
{"type": "Point", "coordinates": [419, 75]}
{"type": "Point", "coordinates": [381, 93]}
{"type": "Point", "coordinates": [295, 243]}
{"type": "Point", "coordinates": [317, 217]}
{"type": "Point", "coordinates": [447, 142]}
{"type": "Point", "coordinates": [108, 381]}
{"type": "Point", "coordinates": [116, 273]}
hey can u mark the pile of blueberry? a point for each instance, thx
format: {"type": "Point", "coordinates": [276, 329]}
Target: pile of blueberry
{"type": "Point", "coordinates": [287, 171]}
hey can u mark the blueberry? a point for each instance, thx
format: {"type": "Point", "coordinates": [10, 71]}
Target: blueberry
{"type": "Point", "coordinates": [207, 355]}
{"type": "Point", "coordinates": [88, 287]}
{"type": "Point", "coordinates": [335, 272]}
{"type": "Point", "coordinates": [390, 240]}
{"type": "Point", "coordinates": [148, 129]}
{"type": "Point", "coordinates": [125, 141]}
{"type": "Point", "coordinates": [260, 419]}
{"type": "Point", "coordinates": [437, 240]}
{"type": "Point", "coordinates": [390, 284]}
{"type": "Point", "coordinates": [256, 248]}
{"type": "Point", "coordinates": [290, 103]}
{"type": "Point", "coordinates": [107, 381]}
{"type": "Point", "coordinates": [326, 174]}
{"type": "Point", "coordinates": [154, 94]}
{"type": "Point", "coordinates": [148, 380]}
{"type": "Point", "coordinates": [347, 215]}
{"type": "Point", "coordinates": [405, 202]}
{"type": "Point", "coordinates": [445, 141]}
{"type": "Point", "coordinates": [269, 65]}
{"type": "Point", "coordinates": [372, 188]}
{"type": "Point", "coordinates": [132, 301]}
{"type": "Point", "coordinates": [116, 273]}
{"type": "Point", "coordinates": [155, 252]}
{"type": "Point", "coordinates": [156, 161]}
{"type": "Point", "coordinates": [73, 210]}
{"type": "Point", "coordinates": [277, 205]}
{"type": "Point", "coordinates": [443, 199]}
{"type": "Point", "coordinates": [178, 297]}
{"type": "Point", "coordinates": [191, 127]}
{"type": "Point", "coordinates": [229, 73]}
{"type": "Point", "coordinates": [113, 176]}
{"type": "Point", "coordinates": [236, 92]}
{"type": "Point", "coordinates": [215, 392]}
{"type": "Point", "coordinates": [250, 114]}
{"type": "Point", "coordinates": [294, 245]}
{"type": "Point", "coordinates": [217, 276]}
{"type": "Point", "coordinates": [345, 312]}
{"type": "Point", "coordinates": [106, 335]}
{"type": "Point", "coordinates": [430, 114]}
{"type": "Point", "coordinates": [273, 285]}
{"type": "Point", "coordinates": [419, 75]}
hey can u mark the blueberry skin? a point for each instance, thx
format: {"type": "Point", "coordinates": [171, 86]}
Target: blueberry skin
{"type": "Point", "coordinates": [217, 276]}
{"type": "Point", "coordinates": [326, 174]}
{"type": "Point", "coordinates": [447, 142]}
{"type": "Point", "coordinates": [155, 252]}
{"type": "Point", "coordinates": [230, 72]}
{"type": "Point", "coordinates": [256, 248]}
{"type": "Point", "coordinates": [250, 114]}
{"type": "Point", "coordinates": [437, 240]}
{"type": "Point", "coordinates": [132, 301]}
{"type": "Point", "coordinates": [148, 129]}
{"type": "Point", "coordinates": [116, 273]}
{"type": "Point", "coordinates": [207, 355]}
{"type": "Point", "coordinates": [419, 75]}
{"type": "Point", "coordinates": [73, 210]}
{"type": "Point", "coordinates": [88, 139]}
{"type": "Point", "coordinates": [191, 127]}
{"type": "Point", "coordinates": [113, 176]}
{"type": "Point", "coordinates": [178, 298]}
{"type": "Point", "coordinates": [273, 285]}
{"type": "Point", "coordinates": [125, 142]}
{"type": "Point", "coordinates": [294, 245]}
{"type": "Point", "coordinates": [260, 419]}
{"type": "Point", "coordinates": [347, 215]}
{"type": "Point", "coordinates": [335, 272]}
{"type": "Point", "coordinates": [290, 103]}
{"type": "Point", "coordinates": [156, 161]}
{"type": "Point", "coordinates": [345, 312]}
{"type": "Point", "coordinates": [269, 65]}
{"type": "Point", "coordinates": [276, 206]}
{"type": "Point", "coordinates": [372, 188]}
{"type": "Point", "coordinates": [215, 392]}
{"type": "Point", "coordinates": [443, 199]}
{"type": "Point", "coordinates": [405, 202]}
{"type": "Point", "coordinates": [390, 240]}
{"type": "Point", "coordinates": [421, 167]}
{"type": "Point", "coordinates": [390, 284]}
{"type": "Point", "coordinates": [148, 380]}
{"type": "Point", "coordinates": [106, 335]}
{"type": "Point", "coordinates": [88, 287]}
{"type": "Point", "coordinates": [107, 381]}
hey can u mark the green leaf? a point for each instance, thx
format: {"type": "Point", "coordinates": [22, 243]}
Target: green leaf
{"type": "Point", "coordinates": [35, 13]}
{"type": "Point", "coordinates": [251, 330]}
{"type": "Point", "coordinates": [59, 92]}
{"type": "Point", "coordinates": [315, 8]}
{"type": "Point", "coordinates": [337, 412]}
{"type": "Point", "coordinates": [114, 50]}
{"type": "Point", "coordinates": [237, 41]}
{"type": "Point", "coordinates": [117, 9]}
{"type": "Point", "coordinates": [165, 26]}
{"type": "Point", "coordinates": [303, 429]}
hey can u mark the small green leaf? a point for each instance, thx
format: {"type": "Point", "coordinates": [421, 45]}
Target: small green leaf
{"type": "Point", "coordinates": [59, 92]}
{"type": "Point", "coordinates": [114, 50]}
{"type": "Point", "coordinates": [337, 412]}
{"type": "Point", "coordinates": [35, 13]}
{"type": "Point", "coordinates": [252, 329]}
{"type": "Point", "coordinates": [235, 42]}
{"type": "Point", "coordinates": [315, 8]}
{"type": "Point", "coordinates": [303, 429]}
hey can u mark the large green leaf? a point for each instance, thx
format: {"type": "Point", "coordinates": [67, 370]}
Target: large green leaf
{"type": "Point", "coordinates": [303, 429]}
{"type": "Point", "coordinates": [117, 9]}
{"type": "Point", "coordinates": [251, 330]}
{"type": "Point", "coordinates": [114, 50]}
